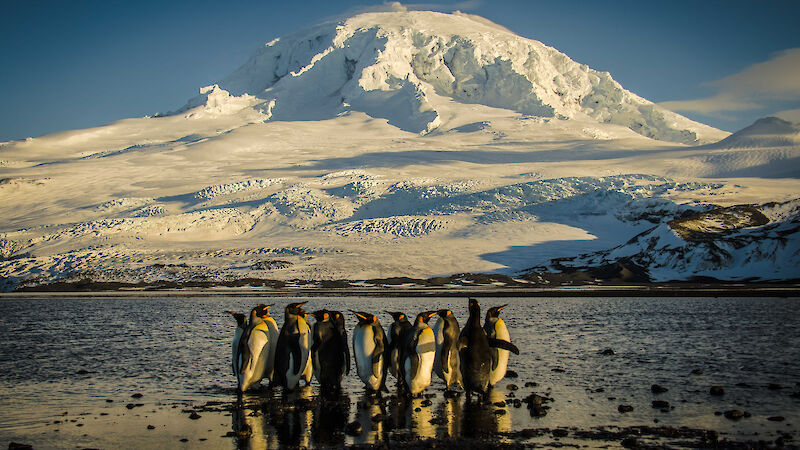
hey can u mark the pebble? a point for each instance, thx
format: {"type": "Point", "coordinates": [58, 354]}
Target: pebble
{"type": "Point", "coordinates": [656, 389]}
{"type": "Point", "coordinates": [630, 443]}
{"type": "Point", "coordinates": [697, 372]}
{"type": "Point", "coordinates": [560, 433]}
{"type": "Point", "coordinates": [716, 390]}
{"type": "Point", "coordinates": [776, 418]}
{"type": "Point", "coordinates": [531, 384]}
{"type": "Point", "coordinates": [130, 406]}
{"type": "Point", "coordinates": [660, 404]}
{"type": "Point", "coordinates": [511, 374]}
{"type": "Point", "coordinates": [151, 427]}
{"type": "Point", "coordinates": [184, 440]}
{"type": "Point", "coordinates": [608, 352]}
{"type": "Point", "coordinates": [624, 408]}
{"type": "Point", "coordinates": [734, 414]}
{"type": "Point", "coordinates": [137, 395]}
{"type": "Point", "coordinates": [194, 415]}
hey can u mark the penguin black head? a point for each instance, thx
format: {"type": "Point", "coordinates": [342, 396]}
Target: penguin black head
{"type": "Point", "coordinates": [474, 306]}
{"type": "Point", "coordinates": [425, 316]}
{"type": "Point", "coordinates": [240, 318]}
{"type": "Point", "coordinates": [338, 318]}
{"type": "Point", "coordinates": [495, 311]}
{"type": "Point", "coordinates": [364, 318]}
{"type": "Point", "coordinates": [443, 313]}
{"type": "Point", "coordinates": [322, 315]}
{"type": "Point", "coordinates": [262, 311]}
{"type": "Point", "coordinates": [295, 308]}
{"type": "Point", "coordinates": [397, 316]}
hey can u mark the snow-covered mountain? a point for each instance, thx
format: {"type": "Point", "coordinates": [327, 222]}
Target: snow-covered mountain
{"type": "Point", "coordinates": [405, 144]}
{"type": "Point", "coordinates": [408, 67]}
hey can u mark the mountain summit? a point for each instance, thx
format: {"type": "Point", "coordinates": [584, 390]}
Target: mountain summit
{"type": "Point", "coordinates": [414, 68]}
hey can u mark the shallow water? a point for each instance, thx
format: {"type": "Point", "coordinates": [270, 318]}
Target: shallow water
{"type": "Point", "coordinates": [63, 359]}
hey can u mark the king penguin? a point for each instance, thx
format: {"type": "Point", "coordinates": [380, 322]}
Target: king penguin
{"type": "Point", "coordinates": [397, 332]}
{"type": "Point", "coordinates": [369, 344]}
{"type": "Point", "coordinates": [338, 319]}
{"type": "Point", "coordinates": [419, 351]}
{"type": "Point", "coordinates": [327, 352]}
{"type": "Point", "coordinates": [293, 352]}
{"type": "Point", "coordinates": [496, 329]}
{"type": "Point", "coordinates": [254, 349]}
{"type": "Point", "coordinates": [446, 332]}
{"type": "Point", "coordinates": [241, 326]}
{"type": "Point", "coordinates": [272, 328]}
{"type": "Point", "coordinates": [475, 352]}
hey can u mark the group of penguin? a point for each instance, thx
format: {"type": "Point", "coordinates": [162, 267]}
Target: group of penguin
{"type": "Point", "coordinates": [475, 357]}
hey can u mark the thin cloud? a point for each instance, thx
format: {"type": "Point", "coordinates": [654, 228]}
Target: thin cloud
{"type": "Point", "coordinates": [775, 79]}
{"type": "Point", "coordinates": [465, 5]}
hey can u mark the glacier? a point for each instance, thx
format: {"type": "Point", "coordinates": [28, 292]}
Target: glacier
{"type": "Point", "coordinates": [405, 145]}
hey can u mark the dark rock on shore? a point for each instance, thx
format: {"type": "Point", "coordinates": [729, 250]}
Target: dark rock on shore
{"type": "Point", "coordinates": [656, 389]}
{"type": "Point", "coordinates": [560, 432]}
{"type": "Point", "coordinates": [624, 408]}
{"type": "Point", "coordinates": [716, 390]}
{"type": "Point", "coordinates": [607, 352]}
{"type": "Point", "coordinates": [18, 446]}
{"type": "Point", "coordinates": [511, 374]}
{"type": "Point", "coordinates": [697, 372]}
{"type": "Point", "coordinates": [630, 442]}
{"type": "Point", "coordinates": [776, 418]}
{"type": "Point", "coordinates": [137, 395]}
{"type": "Point", "coordinates": [194, 415]}
{"type": "Point", "coordinates": [660, 404]}
{"type": "Point", "coordinates": [151, 427]}
{"type": "Point", "coordinates": [734, 414]}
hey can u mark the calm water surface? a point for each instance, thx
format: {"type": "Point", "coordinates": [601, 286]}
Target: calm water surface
{"type": "Point", "coordinates": [69, 366]}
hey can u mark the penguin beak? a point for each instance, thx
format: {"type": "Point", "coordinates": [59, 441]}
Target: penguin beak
{"type": "Point", "coordinates": [359, 315]}
{"type": "Point", "coordinates": [231, 313]}
{"type": "Point", "coordinates": [500, 308]}
{"type": "Point", "coordinates": [432, 313]}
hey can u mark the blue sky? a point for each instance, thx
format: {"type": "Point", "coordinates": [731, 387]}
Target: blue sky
{"type": "Point", "coordinates": [77, 64]}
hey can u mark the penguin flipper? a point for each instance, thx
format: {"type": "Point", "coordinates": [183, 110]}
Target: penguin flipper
{"type": "Point", "coordinates": [505, 345]}
{"type": "Point", "coordinates": [463, 342]}
{"type": "Point", "coordinates": [296, 353]}
{"type": "Point", "coordinates": [380, 346]}
{"type": "Point", "coordinates": [346, 355]}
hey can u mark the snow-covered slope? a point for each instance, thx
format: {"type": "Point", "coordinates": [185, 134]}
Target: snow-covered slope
{"type": "Point", "coordinates": [393, 145]}
{"type": "Point", "coordinates": [410, 67]}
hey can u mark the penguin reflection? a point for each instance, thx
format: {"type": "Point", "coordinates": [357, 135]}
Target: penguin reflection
{"type": "Point", "coordinates": [371, 414]}
{"type": "Point", "coordinates": [330, 417]}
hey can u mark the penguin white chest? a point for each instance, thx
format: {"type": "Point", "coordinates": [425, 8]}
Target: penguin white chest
{"type": "Point", "coordinates": [426, 352]}
{"type": "Point", "coordinates": [363, 348]}
{"type": "Point", "coordinates": [500, 331]}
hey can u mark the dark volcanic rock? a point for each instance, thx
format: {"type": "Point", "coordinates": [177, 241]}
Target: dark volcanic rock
{"type": "Point", "coordinates": [194, 415]}
{"type": "Point", "coordinates": [624, 408]}
{"type": "Point", "coordinates": [656, 389]}
{"type": "Point", "coordinates": [776, 418]}
{"type": "Point", "coordinates": [608, 352]}
{"type": "Point", "coordinates": [716, 390]}
{"type": "Point", "coordinates": [137, 395]}
{"type": "Point", "coordinates": [734, 414]}
{"type": "Point", "coordinates": [560, 432]}
{"type": "Point", "coordinates": [660, 404]}
{"type": "Point", "coordinates": [151, 427]}
{"type": "Point", "coordinates": [630, 442]}
{"type": "Point", "coordinates": [18, 446]}
{"type": "Point", "coordinates": [511, 374]}
{"type": "Point", "coordinates": [697, 372]}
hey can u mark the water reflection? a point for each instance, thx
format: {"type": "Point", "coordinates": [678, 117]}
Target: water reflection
{"type": "Point", "coordinates": [303, 418]}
